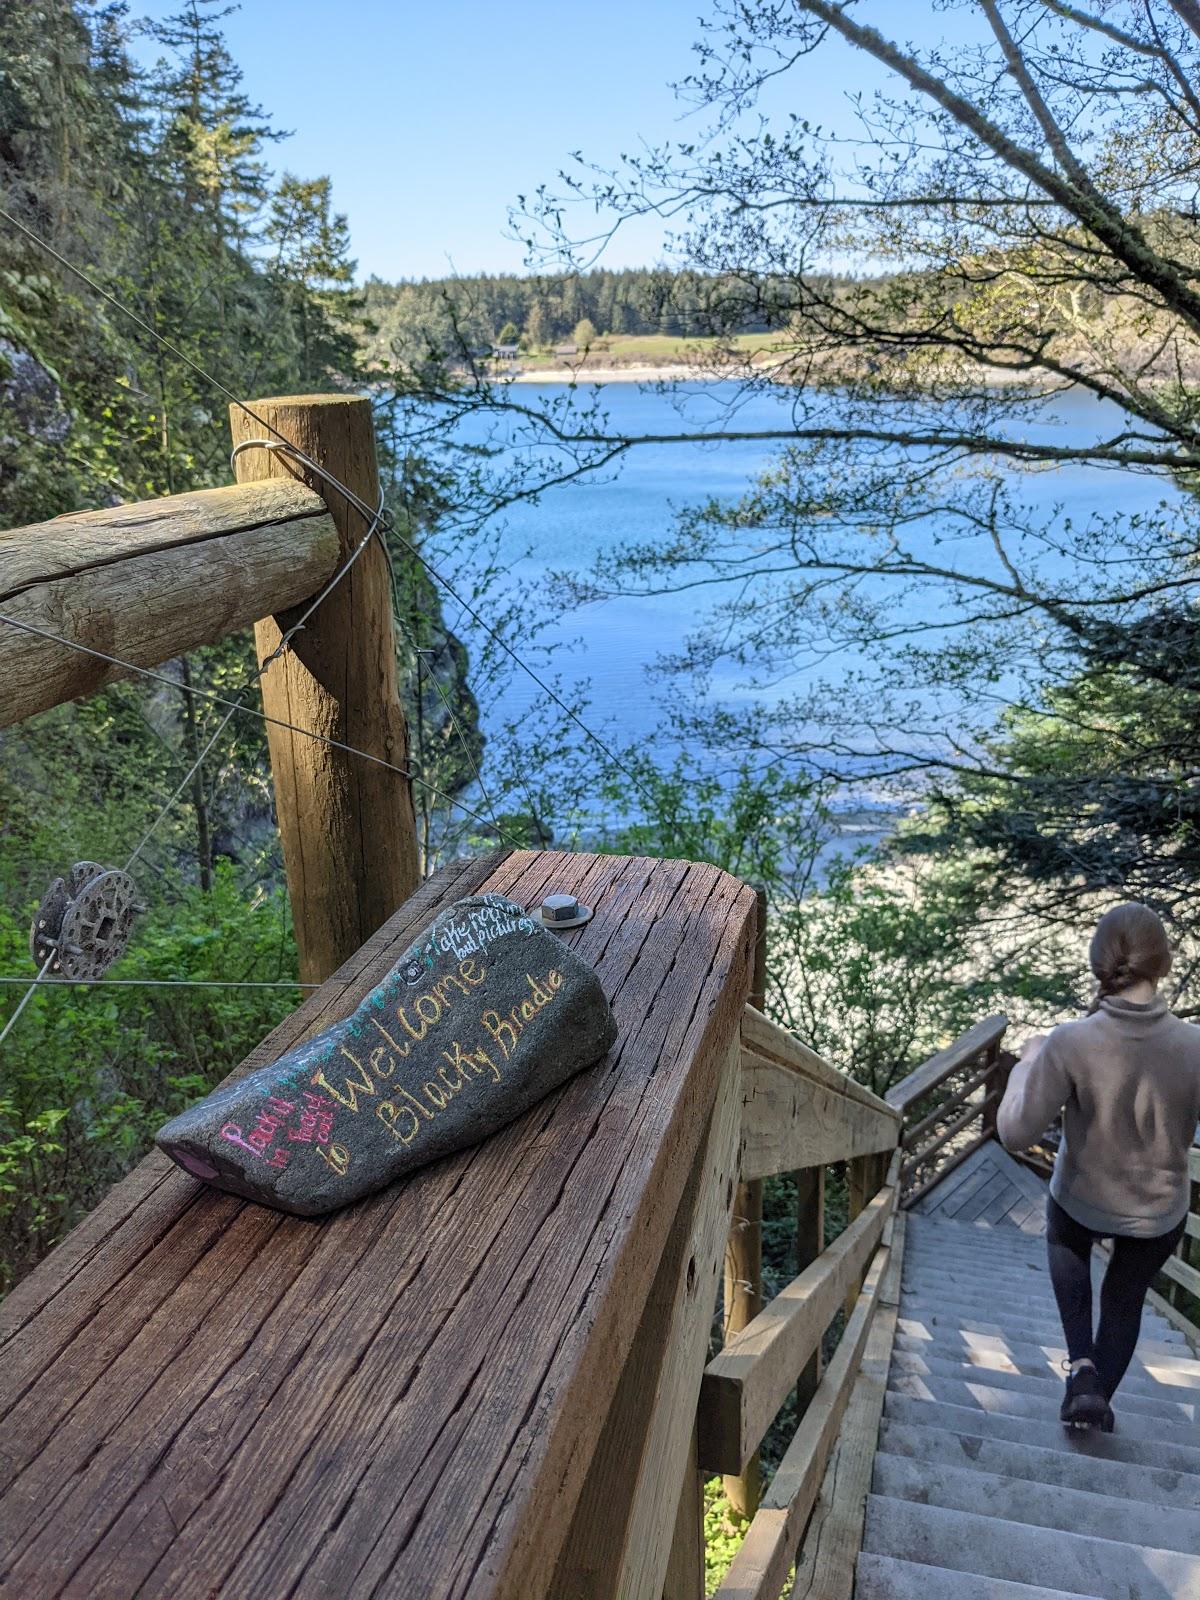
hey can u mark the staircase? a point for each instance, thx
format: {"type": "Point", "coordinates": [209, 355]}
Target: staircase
{"type": "Point", "coordinates": [978, 1491]}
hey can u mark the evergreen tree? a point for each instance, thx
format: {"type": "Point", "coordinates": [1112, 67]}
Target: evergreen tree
{"type": "Point", "coordinates": [311, 260]}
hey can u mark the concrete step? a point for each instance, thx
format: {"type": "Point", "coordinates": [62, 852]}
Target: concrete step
{"type": "Point", "coordinates": [947, 1275]}
{"type": "Point", "coordinates": [932, 1321]}
{"type": "Point", "coordinates": [1032, 1309]}
{"type": "Point", "coordinates": [1065, 1468]}
{"type": "Point", "coordinates": [1163, 1371]}
{"type": "Point", "coordinates": [987, 1494]}
{"type": "Point", "coordinates": [1134, 1394]}
{"type": "Point", "coordinates": [980, 1273]}
{"type": "Point", "coordinates": [976, 1272]}
{"type": "Point", "coordinates": [1132, 1420]}
{"type": "Point", "coordinates": [1048, 1434]}
{"type": "Point", "coordinates": [889, 1578]}
{"type": "Point", "coordinates": [1074, 1563]}
{"type": "Point", "coordinates": [943, 1279]}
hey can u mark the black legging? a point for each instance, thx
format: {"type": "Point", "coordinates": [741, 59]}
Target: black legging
{"type": "Point", "coordinates": [1130, 1273]}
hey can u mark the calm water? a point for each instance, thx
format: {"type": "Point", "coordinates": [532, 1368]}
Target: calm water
{"type": "Point", "coordinates": [613, 642]}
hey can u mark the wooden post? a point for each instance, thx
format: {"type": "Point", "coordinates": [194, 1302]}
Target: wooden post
{"type": "Point", "coordinates": [810, 1243]}
{"type": "Point", "coordinates": [743, 1253]}
{"type": "Point", "coordinates": [860, 1172]}
{"type": "Point", "coordinates": [349, 838]}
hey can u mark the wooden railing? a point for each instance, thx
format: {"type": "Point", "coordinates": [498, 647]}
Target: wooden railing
{"type": "Point", "coordinates": [495, 1378]}
{"type": "Point", "coordinates": [797, 1113]}
{"type": "Point", "coordinates": [939, 1101]}
{"type": "Point", "coordinates": [566, 1455]}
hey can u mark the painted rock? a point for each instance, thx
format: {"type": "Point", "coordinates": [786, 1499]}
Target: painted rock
{"type": "Point", "coordinates": [484, 1015]}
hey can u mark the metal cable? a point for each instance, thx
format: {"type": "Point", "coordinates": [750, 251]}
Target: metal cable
{"type": "Point", "coordinates": [252, 711]}
{"type": "Point", "coordinates": [374, 519]}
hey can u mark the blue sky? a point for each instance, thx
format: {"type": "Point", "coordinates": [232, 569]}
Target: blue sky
{"type": "Point", "coordinates": [431, 116]}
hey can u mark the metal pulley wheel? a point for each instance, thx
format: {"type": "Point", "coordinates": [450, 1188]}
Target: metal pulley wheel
{"type": "Point", "coordinates": [84, 922]}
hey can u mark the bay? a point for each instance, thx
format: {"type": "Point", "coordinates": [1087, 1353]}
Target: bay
{"type": "Point", "coordinates": [613, 643]}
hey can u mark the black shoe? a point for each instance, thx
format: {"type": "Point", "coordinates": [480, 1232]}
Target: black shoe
{"type": "Point", "coordinates": [1085, 1404]}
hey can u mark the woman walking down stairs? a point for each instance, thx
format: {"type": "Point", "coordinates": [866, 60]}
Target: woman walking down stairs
{"type": "Point", "coordinates": [979, 1492]}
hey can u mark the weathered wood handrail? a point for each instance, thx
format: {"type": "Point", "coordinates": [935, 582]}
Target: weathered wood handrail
{"type": "Point", "coordinates": [746, 1384]}
{"type": "Point", "coordinates": [797, 1111]}
{"type": "Point", "coordinates": [148, 581]}
{"type": "Point", "coordinates": [930, 1074]}
{"type": "Point", "coordinates": [800, 1112]}
{"type": "Point", "coordinates": [955, 1108]}
{"type": "Point", "coordinates": [761, 1566]}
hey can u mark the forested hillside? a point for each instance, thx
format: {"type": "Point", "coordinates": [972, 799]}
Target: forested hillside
{"type": "Point", "coordinates": [164, 186]}
{"type": "Point", "coordinates": [478, 310]}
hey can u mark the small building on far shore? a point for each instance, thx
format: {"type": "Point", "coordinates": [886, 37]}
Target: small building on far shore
{"type": "Point", "coordinates": [505, 352]}
{"type": "Point", "coordinates": [566, 349]}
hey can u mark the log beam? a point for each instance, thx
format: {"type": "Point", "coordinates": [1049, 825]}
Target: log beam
{"type": "Point", "coordinates": [148, 581]}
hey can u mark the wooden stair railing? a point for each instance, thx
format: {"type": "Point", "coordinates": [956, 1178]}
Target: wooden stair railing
{"type": "Point", "coordinates": [797, 1113]}
{"type": "Point", "coordinates": [940, 1099]}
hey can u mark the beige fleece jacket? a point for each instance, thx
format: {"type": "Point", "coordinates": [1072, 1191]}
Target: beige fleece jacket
{"type": "Point", "coordinates": [1127, 1081]}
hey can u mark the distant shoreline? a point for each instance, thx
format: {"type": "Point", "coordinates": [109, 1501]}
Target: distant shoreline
{"type": "Point", "coordinates": [680, 372]}
{"type": "Point", "coordinates": [645, 373]}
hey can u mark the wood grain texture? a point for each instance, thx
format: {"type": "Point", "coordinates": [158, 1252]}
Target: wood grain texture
{"type": "Point", "coordinates": [742, 1300]}
{"type": "Point", "coordinates": [346, 825]}
{"type": "Point", "coordinates": [789, 1120]}
{"type": "Point", "coordinates": [983, 1036]}
{"type": "Point", "coordinates": [151, 580]}
{"type": "Point", "coordinates": [766, 1038]}
{"type": "Point", "coordinates": [760, 1568]}
{"type": "Point", "coordinates": [205, 1399]}
{"type": "Point", "coordinates": [833, 1537]}
{"type": "Point", "coordinates": [624, 1525]}
{"type": "Point", "coordinates": [745, 1385]}
{"type": "Point", "coordinates": [742, 1292]}
{"type": "Point", "coordinates": [685, 1579]}
{"type": "Point", "coordinates": [810, 1244]}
